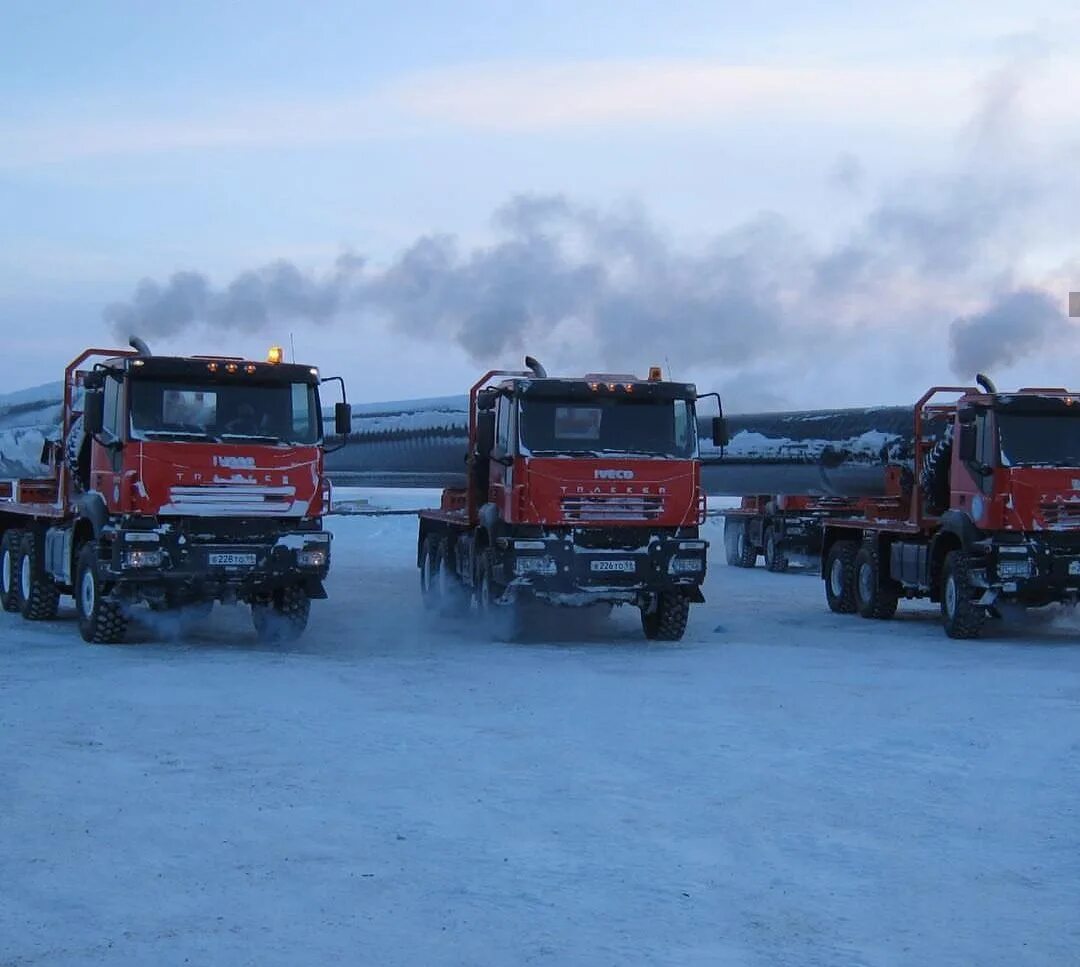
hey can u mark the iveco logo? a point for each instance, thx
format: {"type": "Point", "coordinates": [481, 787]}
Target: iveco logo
{"type": "Point", "coordinates": [613, 474]}
{"type": "Point", "coordinates": [235, 463]}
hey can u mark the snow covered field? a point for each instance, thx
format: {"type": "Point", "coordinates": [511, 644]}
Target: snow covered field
{"type": "Point", "coordinates": [784, 787]}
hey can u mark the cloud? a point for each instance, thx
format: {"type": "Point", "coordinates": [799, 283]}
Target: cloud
{"type": "Point", "coordinates": [574, 280]}
{"type": "Point", "coordinates": [530, 98]}
{"type": "Point", "coordinates": [1014, 325]}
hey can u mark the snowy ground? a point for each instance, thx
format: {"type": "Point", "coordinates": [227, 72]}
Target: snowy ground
{"type": "Point", "coordinates": [785, 787]}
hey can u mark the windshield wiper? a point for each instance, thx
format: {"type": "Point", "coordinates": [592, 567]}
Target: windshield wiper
{"type": "Point", "coordinates": [253, 437]}
{"type": "Point", "coordinates": [177, 434]}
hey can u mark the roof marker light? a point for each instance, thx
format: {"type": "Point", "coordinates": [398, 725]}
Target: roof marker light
{"type": "Point", "coordinates": [212, 367]}
{"type": "Point", "coordinates": [231, 367]}
{"type": "Point", "coordinates": [249, 368]}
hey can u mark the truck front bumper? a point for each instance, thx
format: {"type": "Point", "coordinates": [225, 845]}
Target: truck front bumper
{"type": "Point", "coordinates": [145, 562]}
{"type": "Point", "coordinates": [560, 568]}
{"type": "Point", "coordinates": [1036, 571]}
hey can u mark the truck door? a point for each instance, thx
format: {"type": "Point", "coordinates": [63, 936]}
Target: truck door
{"type": "Point", "coordinates": [502, 467]}
{"type": "Point", "coordinates": [106, 475]}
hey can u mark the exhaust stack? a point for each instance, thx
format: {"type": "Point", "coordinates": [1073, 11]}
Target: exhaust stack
{"type": "Point", "coordinates": [139, 345]}
{"type": "Point", "coordinates": [533, 365]}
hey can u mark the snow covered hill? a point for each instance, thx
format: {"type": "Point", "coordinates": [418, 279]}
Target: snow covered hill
{"type": "Point", "coordinates": [787, 786]}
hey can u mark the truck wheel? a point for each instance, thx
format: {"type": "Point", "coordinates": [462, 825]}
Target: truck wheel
{"type": "Point", "coordinates": [775, 559]}
{"type": "Point", "coordinates": [840, 577]}
{"type": "Point", "coordinates": [746, 554]}
{"type": "Point", "coordinates": [503, 621]}
{"type": "Point", "coordinates": [429, 563]}
{"type": "Point", "coordinates": [960, 615]}
{"type": "Point", "coordinates": [871, 599]}
{"type": "Point", "coordinates": [281, 615]}
{"type": "Point", "coordinates": [442, 591]}
{"type": "Point", "coordinates": [39, 597]}
{"type": "Point", "coordinates": [9, 570]}
{"type": "Point", "coordinates": [101, 621]}
{"type": "Point", "coordinates": [731, 541]}
{"type": "Point", "coordinates": [665, 617]}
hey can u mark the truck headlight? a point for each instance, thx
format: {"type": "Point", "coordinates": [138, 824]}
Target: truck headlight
{"type": "Point", "coordinates": [142, 557]}
{"type": "Point", "coordinates": [535, 565]}
{"type": "Point", "coordinates": [685, 565]}
{"type": "Point", "coordinates": [311, 557]}
{"type": "Point", "coordinates": [1014, 569]}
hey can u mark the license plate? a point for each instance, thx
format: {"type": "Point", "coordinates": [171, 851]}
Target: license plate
{"type": "Point", "coordinates": [626, 567]}
{"type": "Point", "coordinates": [232, 560]}
{"type": "Point", "coordinates": [1074, 567]}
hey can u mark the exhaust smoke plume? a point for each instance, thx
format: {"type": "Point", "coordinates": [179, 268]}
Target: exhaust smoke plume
{"type": "Point", "coordinates": [616, 288]}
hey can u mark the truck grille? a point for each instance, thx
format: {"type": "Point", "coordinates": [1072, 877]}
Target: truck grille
{"type": "Point", "coordinates": [1064, 513]}
{"type": "Point", "coordinates": [600, 507]}
{"type": "Point", "coordinates": [227, 500]}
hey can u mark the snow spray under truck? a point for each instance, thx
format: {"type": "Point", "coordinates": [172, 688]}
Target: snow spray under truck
{"type": "Point", "coordinates": [176, 482]}
{"type": "Point", "coordinates": [578, 492]}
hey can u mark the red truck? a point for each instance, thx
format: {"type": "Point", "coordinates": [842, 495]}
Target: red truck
{"type": "Point", "coordinates": [176, 482]}
{"type": "Point", "coordinates": [986, 513]}
{"type": "Point", "coordinates": [777, 526]}
{"type": "Point", "coordinates": [578, 491]}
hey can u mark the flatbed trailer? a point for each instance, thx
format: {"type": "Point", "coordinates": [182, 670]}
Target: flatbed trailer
{"type": "Point", "coordinates": [778, 527]}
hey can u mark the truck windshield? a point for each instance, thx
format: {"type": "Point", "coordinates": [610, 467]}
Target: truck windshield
{"type": "Point", "coordinates": [660, 428]}
{"type": "Point", "coordinates": [224, 412]}
{"type": "Point", "coordinates": [1029, 439]}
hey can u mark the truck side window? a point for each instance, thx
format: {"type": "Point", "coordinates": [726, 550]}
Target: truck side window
{"type": "Point", "coordinates": [113, 417]}
{"type": "Point", "coordinates": [985, 451]}
{"type": "Point", "coordinates": [683, 438]}
{"type": "Point", "coordinates": [502, 426]}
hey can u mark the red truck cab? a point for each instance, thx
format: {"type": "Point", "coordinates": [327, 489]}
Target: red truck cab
{"type": "Point", "coordinates": [579, 491]}
{"type": "Point", "coordinates": [177, 481]}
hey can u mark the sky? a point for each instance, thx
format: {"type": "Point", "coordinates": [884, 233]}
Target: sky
{"type": "Point", "coordinates": [799, 207]}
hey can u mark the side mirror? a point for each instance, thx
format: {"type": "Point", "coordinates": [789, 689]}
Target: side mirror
{"type": "Point", "coordinates": [720, 432]}
{"type": "Point", "coordinates": [485, 399]}
{"type": "Point", "coordinates": [94, 411]}
{"type": "Point", "coordinates": [966, 445]}
{"type": "Point", "coordinates": [485, 433]}
{"type": "Point", "coordinates": [342, 419]}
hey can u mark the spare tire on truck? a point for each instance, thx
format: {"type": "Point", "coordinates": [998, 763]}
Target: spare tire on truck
{"type": "Point", "coordinates": [934, 478]}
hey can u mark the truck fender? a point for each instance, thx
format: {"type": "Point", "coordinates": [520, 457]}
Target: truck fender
{"type": "Point", "coordinates": [960, 524]}
{"type": "Point", "coordinates": [92, 507]}
{"type": "Point", "coordinates": [489, 520]}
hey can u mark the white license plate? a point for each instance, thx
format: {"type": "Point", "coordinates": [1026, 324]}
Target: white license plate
{"type": "Point", "coordinates": [1074, 567]}
{"type": "Point", "coordinates": [232, 560]}
{"type": "Point", "coordinates": [627, 567]}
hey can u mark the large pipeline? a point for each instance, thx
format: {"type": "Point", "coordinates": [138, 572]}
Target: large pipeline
{"type": "Point", "coordinates": [835, 453]}
{"type": "Point", "coordinates": [839, 453]}
{"type": "Point", "coordinates": [422, 443]}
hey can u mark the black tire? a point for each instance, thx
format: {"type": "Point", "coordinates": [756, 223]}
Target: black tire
{"type": "Point", "coordinates": [101, 620]}
{"type": "Point", "coordinates": [666, 617]}
{"type": "Point", "coordinates": [39, 597]}
{"type": "Point", "coordinates": [9, 569]}
{"type": "Point", "coordinates": [746, 554]}
{"type": "Point", "coordinates": [872, 598]}
{"type": "Point", "coordinates": [731, 541]}
{"type": "Point", "coordinates": [282, 615]}
{"type": "Point", "coordinates": [442, 591]}
{"type": "Point", "coordinates": [429, 594]}
{"type": "Point", "coordinates": [840, 577]}
{"type": "Point", "coordinates": [504, 622]}
{"type": "Point", "coordinates": [934, 478]}
{"type": "Point", "coordinates": [960, 615]}
{"type": "Point", "coordinates": [775, 559]}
